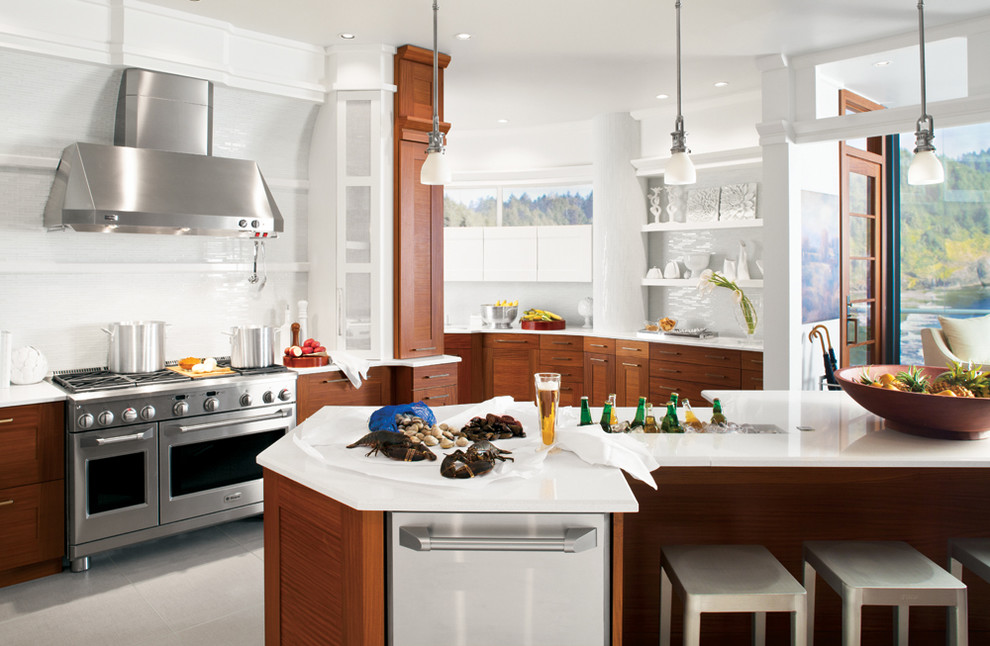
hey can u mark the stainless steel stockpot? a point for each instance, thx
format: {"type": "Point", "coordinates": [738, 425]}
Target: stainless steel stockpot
{"type": "Point", "coordinates": [252, 346]}
{"type": "Point", "coordinates": [136, 346]}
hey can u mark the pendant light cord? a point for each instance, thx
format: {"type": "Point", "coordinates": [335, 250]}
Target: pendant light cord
{"type": "Point", "coordinates": [679, 122]}
{"type": "Point", "coordinates": [436, 64]}
{"type": "Point", "coordinates": [925, 126]}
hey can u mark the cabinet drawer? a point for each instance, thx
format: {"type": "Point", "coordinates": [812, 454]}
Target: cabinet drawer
{"type": "Point", "coordinates": [321, 389]}
{"type": "Point", "coordinates": [32, 444]}
{"type": "Point", "coordinates": [519, 341]}
{"type": "Point", "coordinates": [561, 342]}
{"type": "Point", "coordinates": [694, 354]}
{"type": "Point", "coordinates": [437, 395]}
{"type": "Point", "coordinates": [561, 358]}
{"type": "Point", "coordinates": [431, 376]}
{"type": "Point", "coordinates": [661, 389]}
{"type": "Point", "coordinates": [751, 360]}
{"type": "Point", "coordinates": [751, 380]}
{"type": "Point", "coordinates": [636, 349]}
{"type": "Point", "coordinates": [709, 376]}
{"type": "Point", "coordinates": [32, 523]}
{"type": "Point", "coordinates": [599, 345]}
{"type": "Point", "coordinates": [459, 341]}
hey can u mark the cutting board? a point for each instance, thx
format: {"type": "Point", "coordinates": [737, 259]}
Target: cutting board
{"type": "Point", "coordinates": [306, 361]}
{"type": "Point", "coordinates": [543, 325]}
{"type": "Point", "coordinates": [196, 375]}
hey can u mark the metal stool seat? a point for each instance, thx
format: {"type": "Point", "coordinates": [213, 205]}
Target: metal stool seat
{"type": "Point", "coordinates": [882, 573]}
{"type": "Point", "coordinates": [728, 578]}
{"type": "Point", "coordinates": [974, 555]}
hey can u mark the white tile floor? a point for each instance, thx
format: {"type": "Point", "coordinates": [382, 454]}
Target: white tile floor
{"type": "Point", "coordinates": [200, 588]}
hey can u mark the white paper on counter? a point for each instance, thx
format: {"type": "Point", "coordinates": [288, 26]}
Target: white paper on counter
{"type": "Point", "coordinates": [620, 450]}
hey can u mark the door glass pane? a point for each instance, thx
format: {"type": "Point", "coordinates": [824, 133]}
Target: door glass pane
{"type": "Point", "coordinates": [860, 355]}
{"type": "Point", "coordinates": [860, 236]}
{"type": "Point", "coordinates": [861, 279]}
{"type": "Point", "coordinates": [358, 150]}
{"type": "Point", "coordinates": [857, 143]}
{"type": "Point", "coordinates": [357, 332]}
{"type": "Point", "coordinates": [358, 223]}
{"type": "Point", "coordinates": [861, 194]}
{"type": "Point", "coordinates": [202, 466]}
{"type": "Point", "coordinates": [862, 314]}
{"type": "Point", "coordinates": [115, 483]}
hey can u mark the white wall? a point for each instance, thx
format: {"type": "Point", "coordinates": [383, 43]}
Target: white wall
{"type": "Point", "coordinates": [57, 289]}
{"type": "Point", "coordinates": [476, 154]}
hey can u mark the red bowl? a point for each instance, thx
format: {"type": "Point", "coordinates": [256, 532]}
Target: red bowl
{"type": "Point", "coordinates": [953, 418]}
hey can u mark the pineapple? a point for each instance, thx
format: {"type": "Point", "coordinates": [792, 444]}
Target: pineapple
{"type": "Point", "coordinates": [867, 379]}
{"type": "Point", "coordinates": [964, 382]}
{"type": "Point", "coordinates": [914, 380]}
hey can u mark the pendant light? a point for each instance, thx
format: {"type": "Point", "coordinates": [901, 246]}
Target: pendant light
{"type": "Point", "coordinates": [925, 168]}
{"type": "Point", "coordinates": [435, 169]}
{"type": "Point", "coordinates": [680, 169]}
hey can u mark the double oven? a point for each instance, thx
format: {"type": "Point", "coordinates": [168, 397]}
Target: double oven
{"type": "Point", "coordinates": [160, 453]}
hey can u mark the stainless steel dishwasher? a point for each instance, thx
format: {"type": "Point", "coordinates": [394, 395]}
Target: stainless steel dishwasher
{"type": "Point", "coordinates": [492, 579]}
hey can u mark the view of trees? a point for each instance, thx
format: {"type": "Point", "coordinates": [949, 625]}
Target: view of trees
{"type": "Point", "coordinates": [535, 207]}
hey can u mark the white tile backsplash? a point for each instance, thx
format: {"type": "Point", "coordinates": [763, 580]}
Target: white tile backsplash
{"type": "Point", "coordinates": [48, 103]}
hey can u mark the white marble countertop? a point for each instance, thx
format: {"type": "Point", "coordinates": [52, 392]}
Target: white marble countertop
{"type": "Point", "coordinates": [565, 484]}
{"type": "Point", "coordinates": [411, 363]}
{"type": "Point", "coordinates": [837, 432]}
{"type": "Point", "coordinates": [737, 343]}
{"type": "Point", "coordinates": [38, 393]}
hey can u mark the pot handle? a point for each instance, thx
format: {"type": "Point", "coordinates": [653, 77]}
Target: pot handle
{"type": "Point", "coordinates": [107, 331]}
{"type": "Point", "coordinates": [230, 334]}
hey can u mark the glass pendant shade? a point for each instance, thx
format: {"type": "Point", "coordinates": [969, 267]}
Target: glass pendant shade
{"type": "Point", "coordinates": [925, 169]}
{"type": "Point", "coordinates": [679, 170]}
{"type": "Point", "coordinates": [435, 169]}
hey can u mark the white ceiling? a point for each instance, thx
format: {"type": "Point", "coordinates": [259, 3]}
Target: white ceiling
{"type": "Point", "coordinates": [547, 61]}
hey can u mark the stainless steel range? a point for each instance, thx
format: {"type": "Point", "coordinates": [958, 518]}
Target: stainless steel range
{"type": "Point", "coordinates": [160, 453]}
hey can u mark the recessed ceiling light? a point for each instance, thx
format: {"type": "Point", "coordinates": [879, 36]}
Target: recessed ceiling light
{"type": "Point", "coordinates": [462, 36]}
{"type": "Point", "coordinates": [721, 84]}
{"type": "Point", "coordinates": [347, 36]}
{"type": "Point", "coordinates": [881, 64]}
{"type": "Point", "coordinates": [663, 96]}
{"type": "Point", "coordinates": [502, 121]}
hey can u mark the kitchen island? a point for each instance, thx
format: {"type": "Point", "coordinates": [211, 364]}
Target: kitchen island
{"type": "Point", "coordinates": [831, 472]}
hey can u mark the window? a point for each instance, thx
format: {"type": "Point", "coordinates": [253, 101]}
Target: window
{"type": "Point", "coordinates": [945, 236]}
{"type": "Point", "coordinates": [518, 206]}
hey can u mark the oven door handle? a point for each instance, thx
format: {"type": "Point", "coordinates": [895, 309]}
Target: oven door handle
{"type": "Point", "coordinates": [574, 539]}
{"type": "Point", "coordinates": [133, 437]}
{"type": "Point", "coordinates": [279, 414]}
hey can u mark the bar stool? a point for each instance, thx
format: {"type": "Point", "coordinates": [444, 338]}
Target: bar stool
{"type": "Point", "coordinates": [728, 578]}
{"type": "Point", "coordinates": [882, 573]}
{"type": "Point", "coordinates": [974, 554]}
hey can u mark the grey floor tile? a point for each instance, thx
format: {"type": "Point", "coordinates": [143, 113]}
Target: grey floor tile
{"type": "Point", "coordinates": [244, 628]}
{"type": "Point", "coordinates": [248, 532]}
{"type": "Point", "coordinates": [174, 553]}
{"type": "Point", "coordinates": [52, 591]}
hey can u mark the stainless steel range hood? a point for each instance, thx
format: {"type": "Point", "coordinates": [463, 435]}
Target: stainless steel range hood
{"type": "Point", "coordinates": [160, 176]}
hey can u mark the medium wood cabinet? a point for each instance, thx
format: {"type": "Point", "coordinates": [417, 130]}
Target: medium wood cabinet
{"type": "Point", "coordinates": [687, 370]}
{"type": "Point", "coordinates": [319, 389]}
{"type": "Point", "coordinates": [632, 371]}
{"type": "Point", "coordinates": [469, 380]}
{"type": "Point", "coordinates": [565, 356]}
{"type": "Point", "coordinates": [509, 362]}
{"type": "Point", "coordinates": [433, 385]}
{"type": "Point", "coordinates": [418, 213]}
{"type": "Point", "coordinates": [599, 369]}
{"type": "Point", "coordinates": [32, 491]}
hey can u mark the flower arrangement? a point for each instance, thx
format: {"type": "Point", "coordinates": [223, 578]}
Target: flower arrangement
{"type": "Point", "coordinates": [709, 280]}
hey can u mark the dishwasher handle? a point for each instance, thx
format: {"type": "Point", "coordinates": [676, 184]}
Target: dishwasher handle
{"type": "Point", "coordinates": [574, 539]}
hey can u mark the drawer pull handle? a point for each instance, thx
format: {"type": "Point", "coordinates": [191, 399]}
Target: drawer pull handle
{"type": "Point", "coordinates": [335, 381]}
{"type": "Point", "coordinates": [446, 374]}
{"type": "Point", "coordinates": [508, 341]}
{"type": "Point", "coordinates": [716, 356]}
{"type": "Point", "coordinates": [708, 374]}
{"type": "Point", "coordinates": [6, 421]}
{"type": "Point", "coordinates": [597, 345]}
{"type": "Point", "coordinates": [632, 365]}
{"type": "Point", "coordinates": [562, 359]}
{"type": "Point", "coordinates": [575, 539]}
{"type": "Point", "coordinates": [597, 359]}
{"type": "Point", "coordinates": [4, 503]}
{"type": "Point", "coordinates": [631, 349]}
{"type": "Point", "coordinates": [670, 370]}
{"type": "Point", "coordinates": [562, 343]}
{"type": "Point", "coordinates": [674, 354]}
{"type": "Point", "coordinates": [424, 349]}
{"type": "Point", "coordinates": [437, 397]}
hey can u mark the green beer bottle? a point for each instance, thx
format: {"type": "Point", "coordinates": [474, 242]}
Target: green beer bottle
{"type": "Point", "coordinates": [585, 412]}
{"type": "Point", "coordinates": [717, 416]}
{"type": "Point", "coordinates": [640, 419]}
{"type": "Point", "coordinates": [670, 423]}
{"type": "Point", "coordinates": [651, 422]}
{"type": "Point", "coordinates": [607, 414]}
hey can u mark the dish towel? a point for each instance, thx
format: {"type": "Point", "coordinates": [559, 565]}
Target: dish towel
{"type": "Point", "coordinates": [611, 449]}
{"type": "Point", "coordinates": [354, 368]}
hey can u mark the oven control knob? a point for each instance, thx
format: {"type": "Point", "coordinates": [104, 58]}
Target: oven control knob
{"type": "Point", "coordinates": [211, 404]}
{"type": "Point", "coordinates": [245, 400]}
{"type": "Point", "coordinates": [180, 408]}
{"type": "Point", "coordinates": [129, 415]}
{"type": "Point", "coordinates": [105, 418]}
{"type": "Point", "coordinates": [268, 397]}
{"type": "Point", "coordinates": [285, 395]}
{"type": "Point", "coordinates": [148, 412]}
{"type": "Point", "coordinates": [86, 420]}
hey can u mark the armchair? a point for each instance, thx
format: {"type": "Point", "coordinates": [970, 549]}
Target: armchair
{"type": "Point", "coordinates": [935, 348]}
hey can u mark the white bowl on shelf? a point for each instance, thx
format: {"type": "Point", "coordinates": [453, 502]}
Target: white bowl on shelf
{"type": "Point", "coordinates": [697, 263]}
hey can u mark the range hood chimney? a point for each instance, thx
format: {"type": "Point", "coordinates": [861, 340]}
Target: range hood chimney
{"type": "Point", "coordinates": [160, 175]}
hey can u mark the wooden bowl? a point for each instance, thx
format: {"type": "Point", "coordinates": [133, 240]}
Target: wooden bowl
{"type": "Point", "coordinates": [952, 418]}
{"type": "Point", "coordinates": [543, 325]}
{"type": "Point", "coordinates": [311, 361]}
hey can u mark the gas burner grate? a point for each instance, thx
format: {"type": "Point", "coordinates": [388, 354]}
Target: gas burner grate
{"type": "Point", "coordinates": [102, 379]}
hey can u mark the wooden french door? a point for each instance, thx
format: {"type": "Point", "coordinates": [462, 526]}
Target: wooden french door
{"type": "Point", "coordinates": [862, 235]}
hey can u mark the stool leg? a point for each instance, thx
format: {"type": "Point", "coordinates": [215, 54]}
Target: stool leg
{"type": "Point", "coordinates": [665, 593]}
{"type": "Point", "coordinates": [959, 620]}
{"type": "Point", "coordinates": [809, 586]}
{"type": "Point", "coordinates": [799, 625]}
{"type": "Point", "coordinates": [692, 623]}
{"type": "Point", "coordinates": [851, 620]}
{"type": "Point", "coordinates": [759, 628]}
{"type": "Point", "coordinates": [901, 624]}
{"type": "Point", "coordinates": [956, 569]}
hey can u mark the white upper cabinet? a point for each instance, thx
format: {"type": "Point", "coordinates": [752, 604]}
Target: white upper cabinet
{"type": "Point", "coordinates": [463, 254]}
{"type": "Point", "coordinates": [527, 254]}
{"type": "Point", "coordinates": [510, 253]}
{"type": "Point", "coordinates": [564, 254]}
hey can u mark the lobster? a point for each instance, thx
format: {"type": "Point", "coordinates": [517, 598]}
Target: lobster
{"type": "Point", "coordinates": [478, 460]}
{"type": "Point", "coordinates": [394, 445]}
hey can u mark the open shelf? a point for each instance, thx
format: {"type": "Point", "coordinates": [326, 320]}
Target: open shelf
{"type": "Point", "coordinates": [703, 226]}
{"type": "Point", "coordinates": [756, 283]}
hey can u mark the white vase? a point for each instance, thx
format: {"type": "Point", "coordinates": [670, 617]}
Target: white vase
{"type": "Point", "coordinates": [742, 264]}
{"type": "Point", "coordinates": [672, 270]}
{"type": "Point", "coordinates": [729, 269]}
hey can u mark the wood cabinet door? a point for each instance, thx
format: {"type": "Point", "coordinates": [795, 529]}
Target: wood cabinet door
{"type": "Point", "coordinates": [418, 258]}
{"type": "Point", "coordinates": [599, 377]}
{"type": "Point", "coordinates": [32, 525]}
{"type": "Point", "coordinates": [32, 444]}
{"type": "Point", "coordinates": [509, 371]}
{"type": "Point", "coordinates": [469, 380]}
{"type": "Point", "coordinates": [632, 380]}
{"type": "Point", "coordinates": [320, 389]}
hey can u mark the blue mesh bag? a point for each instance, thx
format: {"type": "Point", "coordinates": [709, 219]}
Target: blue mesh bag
{"type": "Point", "coordinates": [383, 419]}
